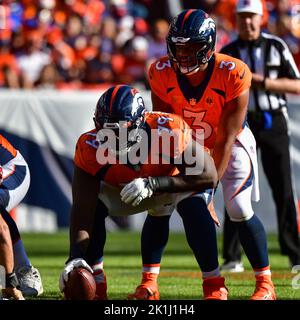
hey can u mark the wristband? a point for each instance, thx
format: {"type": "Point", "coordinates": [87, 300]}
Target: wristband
{"type": "Point", "coordinates": [161, 184]}
{"type": "Point", "coordinates": [11, 280]}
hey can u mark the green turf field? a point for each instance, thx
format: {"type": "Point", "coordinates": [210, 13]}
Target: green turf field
{"type": "Point", "coordinates": [179, 278]}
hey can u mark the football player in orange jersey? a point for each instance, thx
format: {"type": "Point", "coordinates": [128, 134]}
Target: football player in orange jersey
{"type": "Point", "coordinates": [210, 91]}
{"type": "Point", "coordinates": [107, 180]}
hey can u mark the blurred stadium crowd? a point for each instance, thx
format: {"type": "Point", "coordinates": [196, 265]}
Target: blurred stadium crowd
{"type": "Point", "coordinates": [87, 44]}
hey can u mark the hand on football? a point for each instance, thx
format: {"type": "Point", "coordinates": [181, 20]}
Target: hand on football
{"type": "Point", "coordinates": [71, 265]}
{"type": "Point", "coordinates": [136, 191]}
{"type": "Point", "coordinates": [12, 293]}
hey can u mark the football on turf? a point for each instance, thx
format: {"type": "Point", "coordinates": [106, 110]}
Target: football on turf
{"type": "Point", "coordinates": [81, 285]}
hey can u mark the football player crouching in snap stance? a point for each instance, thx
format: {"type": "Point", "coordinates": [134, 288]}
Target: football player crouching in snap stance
{"type": "Point", "coordinates": [135, 173]}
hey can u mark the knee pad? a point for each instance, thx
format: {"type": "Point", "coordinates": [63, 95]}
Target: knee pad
{"type": "Point", "coordinates": [238, 210]}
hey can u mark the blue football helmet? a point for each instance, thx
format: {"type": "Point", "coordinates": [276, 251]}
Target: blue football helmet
{"type": "Point", "coordinates": [191, 40]}
{"type": "Point", "coordinates": [121, 107]}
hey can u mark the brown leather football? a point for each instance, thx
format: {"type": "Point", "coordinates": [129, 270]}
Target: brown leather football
{"type": "Point", "coordinates": [81, 285]}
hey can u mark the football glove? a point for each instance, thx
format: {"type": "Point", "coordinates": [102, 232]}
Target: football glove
{"type": "Point", "coordinates": [136, 191]}
{"type": "Point", "coordinates": [12, 293]}
{"type": "Point", "coordinates": [71, 265]}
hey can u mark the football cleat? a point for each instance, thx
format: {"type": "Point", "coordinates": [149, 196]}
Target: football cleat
{"type": "Point", "coordinates": [264, 289]}
{"type": "Point", "coordinates": [30, 281]}
{"type": "Point", "coordinates": [147, 290]}
{"type": "Point", "coordinates": [232, 266]}
{"type": "Point", "coordinates": [214, 289]}
{"type": "Point", "coordinates": [101, 285]}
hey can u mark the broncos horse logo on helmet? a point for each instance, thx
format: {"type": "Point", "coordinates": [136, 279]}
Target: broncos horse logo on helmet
{"type": "Point", "coordinates": [191, 40]}
{"type": "Point", "coordinates": [121, 107]}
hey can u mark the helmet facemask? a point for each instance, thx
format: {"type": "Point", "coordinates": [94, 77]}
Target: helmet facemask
{"type": "Point", "coordinates": [119, 118]}
{"type": "Point", "coordinates": [191, 40]}
{"type": "Point", "coordinates": [188, 57]}
{"type": "Point", "coordinates": [124, 134]}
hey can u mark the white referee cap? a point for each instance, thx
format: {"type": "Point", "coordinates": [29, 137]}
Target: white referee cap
{"type": "Point", "coordinates": [252, 6]}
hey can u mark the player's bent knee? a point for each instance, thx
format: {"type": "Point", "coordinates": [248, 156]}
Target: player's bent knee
{"type": "Point", "coordinates": [238, 213]}
{"type": "Point", "coordinates": [161, 212]}
{"type": "Point", "coordinates": [191, 204]}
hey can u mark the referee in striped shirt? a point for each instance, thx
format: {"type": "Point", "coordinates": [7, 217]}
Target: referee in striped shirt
{"type": "Point", "coordinates": [274, 74]}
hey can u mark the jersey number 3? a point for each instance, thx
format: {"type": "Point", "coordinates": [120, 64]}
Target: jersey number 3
{"type": "Point", "coordinates": [199, 123]}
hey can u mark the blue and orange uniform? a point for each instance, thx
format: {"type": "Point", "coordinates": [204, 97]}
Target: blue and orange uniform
{"type": "Point", "coordinates": [119, 174]}
{"type": "Point", "coordinates": [15, 175]}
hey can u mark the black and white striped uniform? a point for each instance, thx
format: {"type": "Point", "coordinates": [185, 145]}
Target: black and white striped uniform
{"type": "Point", "coordinates": [270, 57]}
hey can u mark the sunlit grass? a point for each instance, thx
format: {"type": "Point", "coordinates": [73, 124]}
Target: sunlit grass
{"type": "Point", "coordinates": [180, 277]}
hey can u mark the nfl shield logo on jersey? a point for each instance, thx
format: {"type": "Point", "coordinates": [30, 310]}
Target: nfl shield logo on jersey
{"type": "Point", "coordinates": [193, 102]}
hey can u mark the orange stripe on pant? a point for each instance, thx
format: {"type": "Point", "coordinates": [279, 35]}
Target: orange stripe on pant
{"type": "Point", "coordinates": [243, 183]}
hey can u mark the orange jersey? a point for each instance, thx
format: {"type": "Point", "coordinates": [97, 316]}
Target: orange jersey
{"type": "Point", "coordinates": [7, 151]}
{"type": "Point", "coordinates": [201, 106]}
{"type": "Point", "coordinates": [119, 174]}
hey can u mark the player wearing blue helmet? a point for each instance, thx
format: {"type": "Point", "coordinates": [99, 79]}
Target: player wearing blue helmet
{"type": "Point", "coordinates": [210, 91]}
{"type": "Point", "coordinates": [108, 186]}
